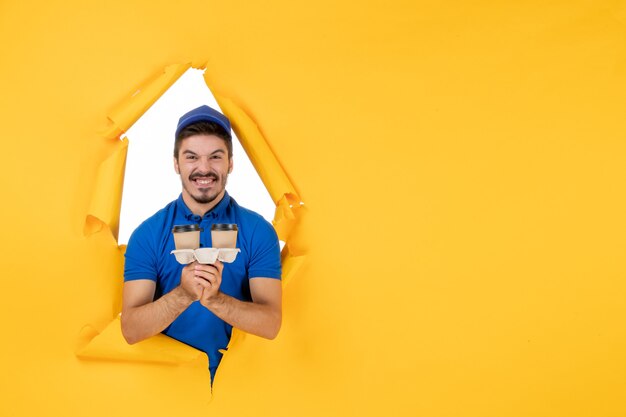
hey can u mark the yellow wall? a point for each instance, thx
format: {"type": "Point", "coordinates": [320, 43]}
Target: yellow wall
{"type": "Point", "coordinates": [462, 168]}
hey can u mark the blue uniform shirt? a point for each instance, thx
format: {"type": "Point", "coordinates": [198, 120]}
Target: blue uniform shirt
{"type": "Point", "coordinates": [148, 257]}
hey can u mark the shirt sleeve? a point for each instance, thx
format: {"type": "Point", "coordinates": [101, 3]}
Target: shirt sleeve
{"type": "Point", "coordinates": [140, 256]}
{"type": "Point", "coordinates": [265, 256]}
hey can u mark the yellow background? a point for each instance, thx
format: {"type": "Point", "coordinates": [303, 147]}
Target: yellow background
{"type": "Point", "coordinates": [462, 168]}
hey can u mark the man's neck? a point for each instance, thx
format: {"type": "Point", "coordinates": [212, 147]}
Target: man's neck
{"type": "Point", "coordinates": [200, 209]}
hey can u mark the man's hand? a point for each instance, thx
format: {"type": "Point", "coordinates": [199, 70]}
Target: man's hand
{"type": "Point", "coordinates": [261, 317]}
{"type": "Point", "coordinates": [209, 279]}
{"type": "Point", "coordinates": [190, 283]}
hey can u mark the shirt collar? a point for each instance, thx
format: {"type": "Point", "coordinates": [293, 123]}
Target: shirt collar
{"type": "Point", "coordinates": [214, 212]}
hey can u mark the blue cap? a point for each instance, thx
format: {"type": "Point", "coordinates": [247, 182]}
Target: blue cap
{"type": "Point", "coordinates": [203, 114]}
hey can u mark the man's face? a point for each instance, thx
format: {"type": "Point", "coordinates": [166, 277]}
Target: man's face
{"type": "Point", "coordinates": [203, 165]}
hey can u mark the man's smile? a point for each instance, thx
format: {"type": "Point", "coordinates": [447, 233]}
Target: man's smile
{"type": "Point", "coordinates": [202, 181]}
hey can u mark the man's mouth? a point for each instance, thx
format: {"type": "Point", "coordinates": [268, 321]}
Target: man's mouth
{"type": "Point", "coordinates": [203, 181]}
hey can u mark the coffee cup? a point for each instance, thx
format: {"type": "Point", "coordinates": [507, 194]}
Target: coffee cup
{"type": "Point", "coordinates": [187, 236]}
{"type": "Point", "coordinates": [224, 235]}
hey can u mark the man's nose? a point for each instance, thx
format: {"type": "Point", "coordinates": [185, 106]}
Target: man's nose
{"type": "Point", "coordinates": [204, 163]}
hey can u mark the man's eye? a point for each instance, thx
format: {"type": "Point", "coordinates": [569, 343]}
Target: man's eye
{"type": "Point", "coordinates": [191, 157]}
{"type": "Point", "coordinates": [216, 157]}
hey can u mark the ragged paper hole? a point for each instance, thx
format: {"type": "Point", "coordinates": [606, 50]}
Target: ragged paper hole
{"type": "Point", "coordinates": [272, 179]}
{"type": "Point", "coordinates": [150, 181]}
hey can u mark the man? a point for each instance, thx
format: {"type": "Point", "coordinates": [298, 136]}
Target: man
{"type": "Point", "coordinates": [199, 304]}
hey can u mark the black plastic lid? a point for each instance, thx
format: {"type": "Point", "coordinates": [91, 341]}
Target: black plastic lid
{"type": "Point", "coordinates": [224, 227]}
{"type": "Point", "coordinates": [186, 228]}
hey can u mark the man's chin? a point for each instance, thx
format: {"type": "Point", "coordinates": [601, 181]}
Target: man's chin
{"type": "Point", "coordinates": [205, 198]}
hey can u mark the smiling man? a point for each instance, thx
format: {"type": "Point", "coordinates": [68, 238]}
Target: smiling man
{"type": "Point", "coordinates": [199, 304]}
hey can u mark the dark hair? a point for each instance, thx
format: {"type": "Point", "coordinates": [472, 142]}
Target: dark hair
{"type": "Point", "coordinates": [204, 128]}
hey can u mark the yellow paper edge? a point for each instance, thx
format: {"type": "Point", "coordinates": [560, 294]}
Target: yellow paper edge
{"type": "Point", "coordinates": [110, 345]}
{"type": "Point", "coordinates": [106, 200]}
{"type": "Point", "coordinates": [123, 116]}
{"type": "Point", "coordinates": [290, 265]}
{"type": "Point", "coordinates": [259, 152]}
{"type": "Point", "coordinates": [268, 167]}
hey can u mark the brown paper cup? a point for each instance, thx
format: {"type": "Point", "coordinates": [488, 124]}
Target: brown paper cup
{"type": "Point", "coordinates": [187, 236]}
{"type": "Point", "coordinates": [224, 235]}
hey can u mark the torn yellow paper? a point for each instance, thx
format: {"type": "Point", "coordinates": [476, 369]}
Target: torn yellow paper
{"type": "Point", "coordinates": [266, 164]}
{"type": "Point", "coordinates": [285, 215]}
{"type": "Point", "coordinates": [291, 264]}
{"type": "Point", "coordinates": [106, 198]}
{"type": "Point", "coordinates": [130, 110]}
{"type": "Point", "coordinates": [259, 152]}
{"type": "Point", "coordinates": [104, 210]}
{"type": "Point", "coordinates": [111, 345]}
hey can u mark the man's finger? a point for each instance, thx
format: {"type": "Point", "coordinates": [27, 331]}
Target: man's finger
{"type": "Point", "coordinates": [203, 282]}
{"type": "Point", "coordinates": [207, 276]}
{"type": "Point", "coordinates": [206, 267]}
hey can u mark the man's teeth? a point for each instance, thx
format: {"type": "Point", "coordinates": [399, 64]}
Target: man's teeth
{"type": "Point", "coordinates": [204, 181]}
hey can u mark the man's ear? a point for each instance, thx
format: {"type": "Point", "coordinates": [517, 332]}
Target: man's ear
{"type": "Point", "coordinates": [230, 165]}
{"type": "Point", "coordinates": [176, 166]}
